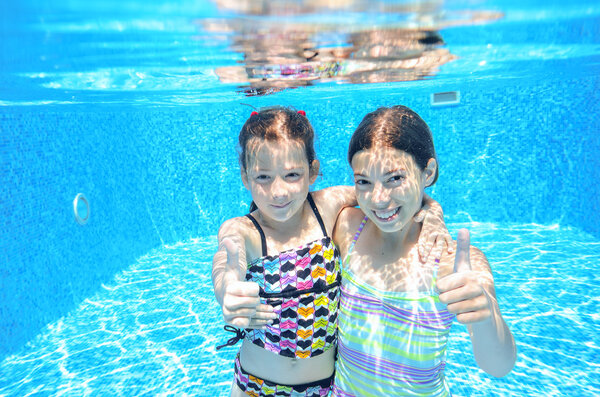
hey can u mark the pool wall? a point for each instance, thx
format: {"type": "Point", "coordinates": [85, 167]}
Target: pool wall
{"type": "Point", "coordinates": [515, 151]}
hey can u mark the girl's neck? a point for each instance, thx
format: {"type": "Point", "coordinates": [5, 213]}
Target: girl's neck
{"type": "Point", "coordinates": [400, 242]}
{"type": "Point", "coordinates": [293, 224]}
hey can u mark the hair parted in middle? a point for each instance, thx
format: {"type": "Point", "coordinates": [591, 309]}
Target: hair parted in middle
{"type": "Point", "coordinates": [274, 124]}
{"type": "Point", "coordinates": [395, 127]}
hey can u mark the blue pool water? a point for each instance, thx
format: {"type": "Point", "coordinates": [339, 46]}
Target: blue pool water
{"type": "Point", "coordinates": [124, 102]}
{"type": "Point", "coordinates": [153, 329]}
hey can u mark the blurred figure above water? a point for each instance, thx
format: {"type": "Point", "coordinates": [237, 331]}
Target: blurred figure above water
{"type": "Point", "coordinates": [295, 7]}
{"type": "Point", "coordinates": [288, 44]}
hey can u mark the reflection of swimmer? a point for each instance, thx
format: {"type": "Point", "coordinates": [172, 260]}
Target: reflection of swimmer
{"type": "Point", "coordinates": [295, 7]}
{"type": "Point", "coordinates": [364, 61]}
{"type": "Point", "coordinates": [394, 43]}
{"type": "Point", "coordinates": [257, 87]}
{"type": "Point", "coordinates": [298, 53]}
{"type": "Point", "coordinates": [410, 68]}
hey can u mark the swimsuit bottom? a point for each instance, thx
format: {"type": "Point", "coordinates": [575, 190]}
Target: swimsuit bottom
{"type": "Point", "coordinates": [256, 387]}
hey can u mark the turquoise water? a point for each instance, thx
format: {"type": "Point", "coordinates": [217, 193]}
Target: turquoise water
{"type": "Point", "coordinates": [153, 329]}
{"type": "Point", "coordinates": [124, 102]}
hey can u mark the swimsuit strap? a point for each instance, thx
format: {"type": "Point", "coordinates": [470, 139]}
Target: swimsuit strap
{"type": "Point", "coordinates": [317, 214]}
{"type": "Point", "coordinates": [360, 228]}
{"type": "Point", "coordinates": [263, 239]}
{"type": "Point", "coordinates": [434, 275]}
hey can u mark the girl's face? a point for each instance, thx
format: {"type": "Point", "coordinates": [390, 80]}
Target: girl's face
{"type": "Point", "coordinates": [389, 186]}
{"type": "Point", "coordinates": [278, 177]}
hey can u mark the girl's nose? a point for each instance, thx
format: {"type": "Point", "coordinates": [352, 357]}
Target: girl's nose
{"type": "Point", "coordinates": [278, 188]}
{"type": "Point", "coordinates": [380, 196]}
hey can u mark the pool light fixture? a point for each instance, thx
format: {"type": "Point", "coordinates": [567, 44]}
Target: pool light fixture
{"type": "Point", "coordinates": [445, 98]}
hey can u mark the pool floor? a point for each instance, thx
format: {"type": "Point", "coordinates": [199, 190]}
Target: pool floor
{"type": "Point", "coordinates": [153, 330]}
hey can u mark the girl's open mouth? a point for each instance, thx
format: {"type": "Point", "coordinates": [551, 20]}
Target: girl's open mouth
{"type": "Point", "coordinates": [387, 216]}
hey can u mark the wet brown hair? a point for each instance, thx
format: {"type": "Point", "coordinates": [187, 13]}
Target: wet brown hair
{"type": "Point", "coordinates": [274, 124]}
{"type": "Point", "coordinates": [396, 127]}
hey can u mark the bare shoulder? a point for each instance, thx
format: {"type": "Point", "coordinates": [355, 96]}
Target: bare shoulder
{"type": "Point", "coordinates": [352, 216]}
{"type": "Point", "coordinates": [346, 225]}
{"type": "Point", "coordinates": [237, 228]}
{"type": "Point", "coordinates": [330, 202]}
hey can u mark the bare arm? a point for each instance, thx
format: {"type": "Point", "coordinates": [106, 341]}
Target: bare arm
{"type": "Point", "coordinates": [470, 294]}
{"type": "Point", "coordinates": [332, 200]}
{"type": "Point", "coordinates": [239, 299]}
{"type": "Point", "coordinates": [230, 230]}
{"type": "Point", "coordinates": [434, 234]}
{"type": "Point", "coordinates": [337, 197]}
{"type": "Point", "coordinates": [493, 343]}
{"type": "Point", "coordinates": [347, 196]}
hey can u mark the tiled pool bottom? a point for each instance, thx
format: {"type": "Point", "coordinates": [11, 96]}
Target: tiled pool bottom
{"type": "Point", "coordinates": [154, 329]}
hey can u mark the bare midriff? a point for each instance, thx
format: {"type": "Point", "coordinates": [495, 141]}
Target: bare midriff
{"type": "Point", "coordinates": [267, 365]}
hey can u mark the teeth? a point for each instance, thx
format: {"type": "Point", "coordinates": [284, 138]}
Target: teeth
{"type": "Point", "coordinates": [385, 214]}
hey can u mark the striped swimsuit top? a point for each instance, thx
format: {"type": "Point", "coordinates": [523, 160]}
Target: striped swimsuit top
{"type": "Point", "coordinates": [390, 343]}
{"type": "Point", "coordinates": [303, 286]}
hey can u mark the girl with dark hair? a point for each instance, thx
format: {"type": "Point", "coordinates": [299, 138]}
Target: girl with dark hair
{"type": "Point", "coordinates": [276, 273]}
{"type": "Point", "coordinates": [396, 312]}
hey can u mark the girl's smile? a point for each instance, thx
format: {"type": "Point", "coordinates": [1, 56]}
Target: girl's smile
{"type": "Point", "coordinates": [389, 186]}
{"type": "Point", "coordinates": [282, 205]}
{"type": "Point", "coordinates": [387, 216]}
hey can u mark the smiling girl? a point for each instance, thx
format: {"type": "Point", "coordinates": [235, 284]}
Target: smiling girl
{"type": "Point", "coordinates": [396, 312]}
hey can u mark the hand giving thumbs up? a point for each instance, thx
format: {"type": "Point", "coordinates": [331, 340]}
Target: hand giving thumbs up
{"type": "Point", "coordinates": [241, 303]}
{"type": "Point", "coordinates": [462, 290]}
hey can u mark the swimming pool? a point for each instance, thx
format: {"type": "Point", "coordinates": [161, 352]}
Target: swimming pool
{"type": "Point", "coordinates": [122, 101]}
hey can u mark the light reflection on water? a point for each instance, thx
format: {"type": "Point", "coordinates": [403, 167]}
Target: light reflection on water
{"type": "Point", "coordinates": [201, 51]}
{"type": "Point", "coordinates": [247, 46]}
{"type": "Point", "coordinates": [153, 330]}
{"type": "Point", "coordinates": [299, 43]}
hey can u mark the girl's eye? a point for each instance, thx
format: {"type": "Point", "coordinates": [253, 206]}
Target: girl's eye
{"type": "Point", "coordinates": [262, 177]}
{"type": "Point", "coordinates": [396, 178]}
{"type": "Point", "coordinates": [361, 182]}
{"type": "Point", "coordinates": [293, 175]}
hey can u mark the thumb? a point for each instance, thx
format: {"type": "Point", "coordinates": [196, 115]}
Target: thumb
{"type": "Point", "coordinates": [233, 258]}
{"type": "Point", "coordinates": [462, 261]}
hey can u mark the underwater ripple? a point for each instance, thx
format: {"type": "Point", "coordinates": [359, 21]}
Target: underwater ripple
{"type": "Point", "coordinates": [154, 329]}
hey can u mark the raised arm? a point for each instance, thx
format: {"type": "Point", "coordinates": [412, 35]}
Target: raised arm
{"type": "Point", "coordinates": [230, 234]}
{"type": "Point", "coordinates": [434, 234]}
{"type": "Point", "coordinates": [470, 294]}
{"type": "Point", "coordinates": [239, 299]}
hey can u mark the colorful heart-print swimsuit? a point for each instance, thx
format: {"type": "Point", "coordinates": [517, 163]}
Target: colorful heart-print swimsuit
{"type": "Point", "coordinates": [302, 285]}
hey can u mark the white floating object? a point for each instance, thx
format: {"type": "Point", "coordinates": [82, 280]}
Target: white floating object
{"type": "Point", "coordinates": [81, 209]}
